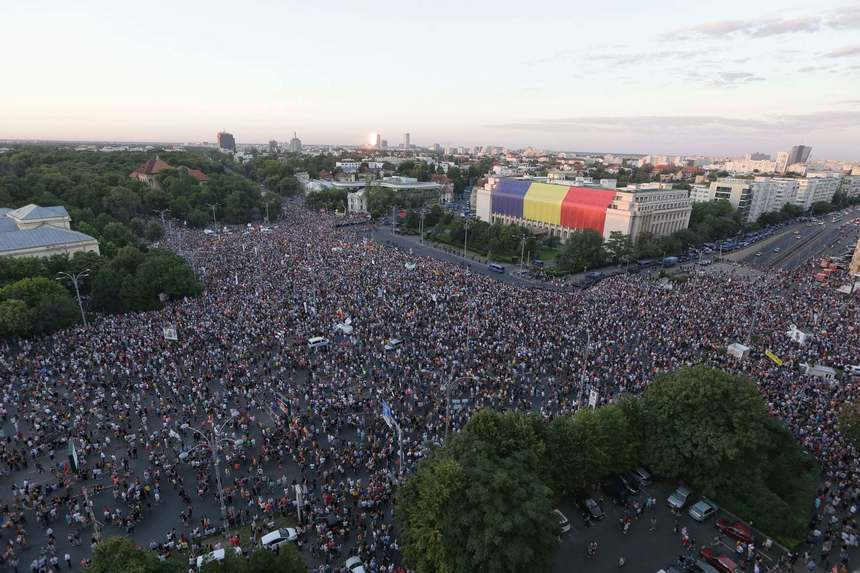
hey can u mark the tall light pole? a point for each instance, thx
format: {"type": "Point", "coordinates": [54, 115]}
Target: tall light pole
{"type": "Point", "coordinates": [213, 206]}
{"type": "Point", "coordinates": [76, 279]}
{"type": "Point", "coordinates": [214, 441]}
{"type": "Point", "coordinates": [161, 213]}
{"type": "Point", "coordinates": [465, 236]}
{"type": "Point", "coordinates": [421, 226]}
{"type": "Point", "coordinates": [582, 372]}
{"type": "Point", "coordinates": [522, 250]}
{"type": "Point", "coordinates": [448, 390]}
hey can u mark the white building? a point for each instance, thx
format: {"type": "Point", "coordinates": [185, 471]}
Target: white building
{"type": "Point", "coordinates": [33, 231]}
{"type": "Point", "coordinates": [851, 185]}
{"type": "Point", "coordinates": [348, 166]}
{"type": "Point", "coordinates": [738, 192]}
{"type": "Point", "coordinates": [659, 211]}
{"type": "Point", "coordinates": [356, 202]}
{"type": "Point", "coordinates": [775, 191]}
{"type": "Point", "coordinates": [747, 166]}
{"type": "Point", "coordinates": [295, 144]}
{"type": "Point", "coordinates": [816, 189]}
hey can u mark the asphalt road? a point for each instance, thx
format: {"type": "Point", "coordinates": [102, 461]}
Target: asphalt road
{"type": "Point", "coordinates": [800, 243]}
{"type": "Point", "coordinates": [644, 551]}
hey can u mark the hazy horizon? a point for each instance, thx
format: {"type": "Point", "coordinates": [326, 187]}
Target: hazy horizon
{"type": "Point", "coordinates": [667, 78]}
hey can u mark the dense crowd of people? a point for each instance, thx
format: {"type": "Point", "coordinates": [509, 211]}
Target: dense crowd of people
{"type": "Point", "coordinates": [146, 413]}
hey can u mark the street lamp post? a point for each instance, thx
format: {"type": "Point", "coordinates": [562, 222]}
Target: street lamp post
{"type": "Point", "coordinates": [582, 372]}
{"type": "Point", "coordinates": [161, 213]}
{"type": "Point", "coordinates": [522, 251]}
{"type": "Point", "coordinates": [76, 279]}
{"type": "Point", "coordinates": [465, 236]}
{"type": "Point", "coordinates": [214, 442]}
{"type": "Point", "coordinates": [448, 390]}
{"type": "Point", "coordinates": [213, 206]}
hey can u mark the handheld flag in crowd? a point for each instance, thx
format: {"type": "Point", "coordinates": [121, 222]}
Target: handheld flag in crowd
{"type": "Point", "coordinates": [282, 405]}
{"type": "Point", "coordinates": [776, 359]}
{"type": "Point", "coordinates": [387, 415]}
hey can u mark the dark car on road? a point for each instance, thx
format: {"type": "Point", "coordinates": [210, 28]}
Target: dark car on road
{"type": "Point", "coordinates": [615, 490]}
{"type": "Point", "coordinates": [590, 508]}
{"type": "Point", "coordinates": [631, 484]}
{"type": "Point", "coordinates": [722, 563]}
{"type": "Point", "coordinates": [736, 530]}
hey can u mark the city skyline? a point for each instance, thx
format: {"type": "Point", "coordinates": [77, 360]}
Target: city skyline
{"type": "Point", "coordinates": [626, 79]}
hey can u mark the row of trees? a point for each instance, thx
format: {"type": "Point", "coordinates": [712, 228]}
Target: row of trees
{"type": "Point", "coordinates": [121, 555]}
{"type": "Point", "coordinates": [482, 501]}
{"type": "Point", "coordinates": [35, 299]}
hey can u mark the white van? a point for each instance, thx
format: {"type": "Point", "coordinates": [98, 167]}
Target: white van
{"type": "Point", "coordinates": [393, 343]}
{"type": "Point", "coordinates": [278, 537]}
{"type": "Point", "coordinates": [317, 342]}
{"type": "Point", "coordinates": [217, 555]}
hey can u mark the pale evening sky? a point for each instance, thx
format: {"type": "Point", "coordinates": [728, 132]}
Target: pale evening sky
{"type": "Point", "coordinates": [665, 76]}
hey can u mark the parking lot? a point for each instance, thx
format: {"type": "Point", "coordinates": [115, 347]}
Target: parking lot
{"type": "Point", "coordinates": [643, 550]}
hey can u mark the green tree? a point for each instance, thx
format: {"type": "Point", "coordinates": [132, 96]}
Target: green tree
{"type": "Point", "coordinates": [121, 555]}
{"type": "Point", "coordinates": [849, 423]}
{"type": "Point", "coordinates": [480, 503]}
{"type": "Point", "coordinates": [122, 203]}
{"type": "Point", "coordinates": [584, 249]}
{"type": "Point", "coordinates": [618, 246]}
{"type": "Point", "coordinates": [15, 318]}
{"type": "Point", "coordinates": [703, 425]}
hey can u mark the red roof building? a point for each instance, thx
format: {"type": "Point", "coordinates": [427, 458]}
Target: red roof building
{"type": "Point", "coordinates": [145, 173]}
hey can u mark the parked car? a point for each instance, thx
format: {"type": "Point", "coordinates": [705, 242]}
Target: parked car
{"type": "Point", "coordinates": [393, 343]}
{"type": "Point", "coordinates": [354, 565]}
{"type": "Point", "coordinates": [615, 490]}
{"type": "Point", "coordinates": [217, 555]}
{"type": "Point", "coordinates": [590, 508]}
{"type": "Point", "coordinates": [563, 522]}
{"type": "Point", "coordinates": [642, 475]}
{"type": "Point", "coordinates": [317, 342]}
{"type": "Point", "coordinates": [703, 509]}
{"type": "Point", "coordinates": [701, 567]}
{"type": "Point", "coordinates": [678, 499]}
{"type": "Point", "coordinates": [737, 530]}
{"type": "Point", "coordinates": [278, 537]}
{"type": "Point", "coordinates": [630, 482]}
{"type": "Point", "coordinates": [722, 563]}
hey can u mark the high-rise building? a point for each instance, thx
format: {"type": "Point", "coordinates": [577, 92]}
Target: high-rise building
{"type": "Point", "coordinates": [799, 154]}
{"type": "Point", "coordinates": [758, 157]}
{"type": "Point", "coordinates": [226, 141]}
{"type": "Point", "coordinates": [781, 161]}
{"type": "Point", "coordinates": [377, 140]}
{"type": "Point", "coordinates": [295, 144]}
{"type": "Point", "coordinates": [273, 146]}
{"type": "Point", "coordinates": [406, 140]}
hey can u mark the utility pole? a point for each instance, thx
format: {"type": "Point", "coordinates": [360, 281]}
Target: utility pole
{"type": "Point", "coordinates": [214, 220]}
{"type": "Point", "coordinates": [465, 236]}
{"type": "Point", "coordinates": [393, 220]}
{"type": "Point", "coordinates": [76, 278]}
{"type": "Point", "coordinates": [267, 212]}
{"type": "Point", "coordinates": [421, 226]}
